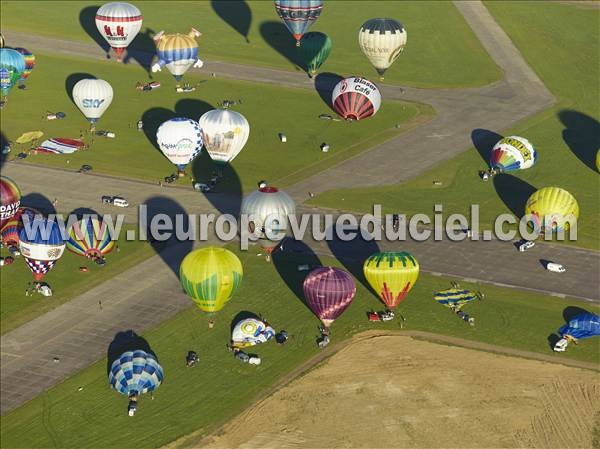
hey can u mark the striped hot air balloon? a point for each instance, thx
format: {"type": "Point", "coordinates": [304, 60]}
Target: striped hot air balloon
{"type": "Point", "coordinates": [10, 231]}
{"type": "Point", "coordinates": [298, 15]}
{"type": "Point", "coordinates": [314, 51]}
{"type": "Point", "coordinates": [90, 237]}
{"type": "Point", "coordinates": [29, 63]}
{"type": "Point", "coordinates": [328, 292]}
{"type": "Point", "coordinates": [382, 41]}
{"type": "Point", "coordinates": [224, 134]}
{"type": "Point", "coordinates": [118, 23]}
{"type": "Point", "coordinates": [41, 244]}
{"type": "Point", "coordinates": [178, 52]}
{"type": "Point", "coordinates": [355, 98]}
{"type": "Point", "coordinates": [10, 199]}
{"type": "Point", "coordinates": [391, 275]}
{"type": "Point", "coordinates": [550, 208]}
{"type": "Point", "coordinates": [512, 153]}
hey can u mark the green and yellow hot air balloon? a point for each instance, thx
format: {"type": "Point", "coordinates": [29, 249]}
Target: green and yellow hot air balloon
{"type": "Point", "coordinates": [392, 275]}
{"type": "Point", "coordinates": [315, 49]}
{"type": "Point", "coordinates": [210, 276]}
{"type": "Point", "coordinates": [550, 208]}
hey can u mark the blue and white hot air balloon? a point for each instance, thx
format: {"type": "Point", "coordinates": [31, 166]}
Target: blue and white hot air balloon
{"type": "Point", "coordinates": [92, 97]}
{"type": "Point", "coordinates": [180, 140]}
{"type": "Point", "coordinates": [298, 15]}
{"type": "Point", "coordinates": [12, 65]}
{"type": "Point", "coordinates": [41, 244]}
{"type": "Point", "coordinates": [584, 325]}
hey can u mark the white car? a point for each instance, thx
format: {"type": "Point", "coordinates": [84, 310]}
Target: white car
{"type": "Point", "coordinates": [525, 245]}
{"type": "Point", "coordinates": [555, 267]}
{"type": "Point", "coordinates": [115, 201]}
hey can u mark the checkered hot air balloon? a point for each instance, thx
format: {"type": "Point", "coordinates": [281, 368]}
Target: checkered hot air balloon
{"type": "Point", "coordinates": [41, 244]}
{"type": "Point", "coordinates": [180, 140]}
{"type": "Point", "coordinates": [328, 292]}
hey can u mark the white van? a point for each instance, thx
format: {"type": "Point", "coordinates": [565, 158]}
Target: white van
{"type": "Point", "coordinates": [555, 267]}
{"type": "Point", "coordinates": [120, 202]}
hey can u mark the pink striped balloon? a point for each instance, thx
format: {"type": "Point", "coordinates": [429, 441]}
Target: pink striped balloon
{"type": "Point", "coordinates": [328, 292]}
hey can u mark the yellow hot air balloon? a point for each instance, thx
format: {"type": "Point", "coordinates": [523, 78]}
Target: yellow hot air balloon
{"type": "Point", "coordinates": [210, 276]}
{"type": "Point", "coordinates": [550, 207]}
{"type": "Point", "coordinates": [598, 160]}
{"type": "Point", "coordinates": [392, 275]}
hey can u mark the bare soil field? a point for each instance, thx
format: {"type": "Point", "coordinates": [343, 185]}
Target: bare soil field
{"type": "Point", "coordinates": [401, 392]}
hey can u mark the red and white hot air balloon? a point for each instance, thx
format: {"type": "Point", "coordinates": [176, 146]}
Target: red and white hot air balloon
{"type": "Point", "coordinates": [118, 23]}
{"type": "Point", "coordinates": [355, 98]}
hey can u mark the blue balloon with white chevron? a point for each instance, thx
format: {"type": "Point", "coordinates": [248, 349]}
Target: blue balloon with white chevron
{"type": "Point", "coordinates": [135, 373]}
{"type": "Point", "coordinates": [180, 140]}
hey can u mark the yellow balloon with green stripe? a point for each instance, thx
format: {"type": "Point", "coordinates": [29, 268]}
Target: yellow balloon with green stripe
{"type": "Point", "coordinates": [210, 276]}
{"type": "Point", "coordinates": [392, 275]}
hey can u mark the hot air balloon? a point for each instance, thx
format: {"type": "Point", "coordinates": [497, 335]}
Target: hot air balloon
{"type": "Point", "coordinates": [268, 209]}
{"type": "Point", "coordinates": [92, 97]}
{"type": "Point", "coordinates": [328, 292]}
{"type": "Point", "coordinates": [1, 41]}
{"type": "Point", "coordinates": [135, 373]}
{"type": "Point", "coordinates": [210, 276]}
{"type": "Point", "coordinates": [382, 41]}
{"type": "Point", "coordinates": [29, 63]}
{"type": "Point", "coordinates": [251, 332]}
{"type": "Point", "coordinates": [455, 298]}
{"type": "Point", "coordinates": [512, 153]}
{"type": "Point", "coordinates": [90, 237]}
{"type": "Point", "coordinates": [392, 275]}
{"type": "Point", "coordinates": [12, 65]}
{"type": "Point", "coordinates": [10, 199]}
{"type": "Point", "coordinates": [355, 98]}
{"type": "Point", "coordinates": [118, 23]}
{"type": "Point", "coordinates": [10, 231]}
{"type": "Point", "coordinates": [224, 134]}
{"type": "Point", "coordinates": [180, 140]}
{"type": "Point", "coordinates": [584, 325]}
{"type": "Point", "coordinates": [315, 49]}
{"type": "Point", "coordinates": [549, 208]}
{"type": "Point", "coordinates": [298, 15]}
{"type": "Point", "coordinates": [178, 52]}
{"type": "Point", "coordinates": [42, 246]}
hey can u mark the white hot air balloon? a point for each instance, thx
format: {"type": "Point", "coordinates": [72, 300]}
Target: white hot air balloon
{"type": "Point", "coordinates": [382, 41]}
{"type": "Point", "coordinates": [118, 23]}
{"type": "Point", "coordinates": [267, 210]}
{"type": "Point", "coordinates": [355, 98]}
{"type": "Point", "coordinates": [92, 97]}
{"type": "Point", "coordinates": [180, 140]}
{"type": "Point", "coordinates": [224, 134]}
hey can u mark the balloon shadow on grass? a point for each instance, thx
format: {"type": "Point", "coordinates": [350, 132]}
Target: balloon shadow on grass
{"type": "Point", "coordinates": [126, 341]}
{"type": "Point", "coordinates": [39, 202]}
{"type": "Point", "coordinates": [514, 192]}
{"type": "Point", "coordinates": [73, 79]}
{"type": "Point", "coordinates": [236, 14]}
{"type": "Point", "coordinates": [483, 141]}
{"type": "Point", "coordinates": [324, 84]}
{"type": "Point", "coordinates": [172, 249]}
{"type": "Point", "coordinates": [142, 50]}
{"type": "Point", "coordinates": [582, 135]}
{"type": "Point", "coordinates": [279, 38]}
{"type": "Point", "coordinates": [87, 20]}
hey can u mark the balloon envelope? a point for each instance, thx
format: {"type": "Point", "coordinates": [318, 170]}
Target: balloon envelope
{"type": "Point", "coordinates": [328, 292]}
{"type": "Point", "coordinates": [118, 23]}
{"type": "Point", "coordinates": [10, 199]}
{"type": "Point", "coordinates": [355, 98]}
{"type": "Point", "coordinates": [298, 15]}
{"type": "Point", "coordinates": [224, 134]}
{"type": "Point", "coordinates": [512, 153]}
{"type": "Point", "coordinates": [251, 332]}
{"type": "Point", "coordinates": [41, 244]}
{"type": "Point", "coordinates": [392, 275]}
{"type": "Point", "coordinates": [178, 52]}
{"type": "Point", "coordinates": [549, 208]}
{"type": "Point", "coordinates": [90, 237]}
{"type": "Point", "coordinates": [12, 228]}
{"type": "Point", "coordinates": [135, 372]}
{"type": "Point", "coordinates": [314, 50]}
{"type": "Point", "coordinates": [180, 140]}
{"type": "Point", "coordinates": [455, 297]}
{"type": "Point", "coordinates": [29, 63]}
{"type": "Point", "coordinates": [12, 65]}
{"type": "Point", "coordinates": [584, 325]}
{"type": "Point", "coordinates": [210, 276]}
{"type": "Point", "coordinates": [382, 40]}
{"type": "Point", "coordinates": [92, 97]}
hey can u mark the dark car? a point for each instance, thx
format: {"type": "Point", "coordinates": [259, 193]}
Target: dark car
{"type": "Point", "coordinates": [21, 155]}
{"type": "Point", "coordinates": [171, 178]}
{"type": "Point", "coordinates": [85, 168]}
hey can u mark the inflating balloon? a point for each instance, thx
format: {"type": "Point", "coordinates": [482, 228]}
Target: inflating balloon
{"type": "Point", "coordinates": [550, 208]}
{"type": "Point", "coordinates": [382, 41]}
{"type": "Point", "coordinates": [314, 50]}
{"type": "Point", "coordinates": [455, 298]}
{"type": "Point", "coordinates": [12, 65]}
{"type": "Point", "coordinates": [224, 134]}
{"type": "Point", "coordinates": [298, 15]}
{"type": "Point", "coordinates": [92, 97]}
{"type": "Point", "coordinates": [41, 244]}
{"type": "Point", "coordinates": [580, 327]}
{"type": "Point", "coordinates": [355, 98]}
{"type": "Point", "coordinates": [391, 275]}
{"type": "Point", "coordinates": [328, 292]}
{"type": "Point", "coordinates": [118, 23]}
{"type": "Point", "coordinates": [10, 199]}
{"type": "Point", "coordinates": [512, 153]}
{"type": "Point", "coordinates": [210, 276]}
{"type": "Point", "coordinates": [90, 237]}
{"type": "Point", "coordinates": [180, 140]}
{"type": "Point", "coordinates": [251, 332]}
{"type": "Point", "coordinates": [178, 52]}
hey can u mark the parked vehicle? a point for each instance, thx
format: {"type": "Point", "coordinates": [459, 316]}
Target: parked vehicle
{"type": "Point", "coordinates": [115, 201]}
{"type": "Point", "coordinates": [85, 169]}
{"type": "Point", "coordinates": [555, 267]}
{"type": "Point", "coordinates": [524, 245]}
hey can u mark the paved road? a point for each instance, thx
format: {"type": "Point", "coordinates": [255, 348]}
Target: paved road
{"type": "Point", "coordinates": [139, 303]}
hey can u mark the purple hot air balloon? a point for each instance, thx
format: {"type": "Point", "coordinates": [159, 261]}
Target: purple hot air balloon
{"type": "Point", "coordinates": [328, 292]}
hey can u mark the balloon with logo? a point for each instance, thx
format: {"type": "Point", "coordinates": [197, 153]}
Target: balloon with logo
{"type": "Point", "coordinates": [12, 65]}
{"type": "Point", "coordinates": [298, 15]}
{"type": "Point", "coordinates": [549, 208]}
{"type": "Point", "coordinates": [210, 276]}
{"type": "Point", "coordinates": [382, 40]}
{"type": "Point", "coordinates": [180, 140]}
{"type": "Point", "coordinates": [355, 98]}
{"type": "Point", "coordinates": [10, 232]}
{"type": "Point", "coordinates": [251, 332]}
{"type": "Point", "coordinates": [41, 244]}
{"type": "Point", "coordinates": [512, 153]}
{"type": "Point", "coordinates": [268, 209]}
{"type": "Point", "coordinates": [224, 134]}
{"type": "Point", "coordinates": [29, 63]}
{"type": "Point", "coordinates": [178, 52]}
{"type": "Point", "coordinates": [10, 199]}
{"type": "Point", "coordinates": [391, 275]}
{"type": "Point", "coordinates": [118, 23]}
{"type": "Point", "coordinates": [328, 292]}
{"type": "Point", "coordinates": [90, 237]}
{"type": "Point", "coordinates": [92, 97]}
{"type": "Point", "coordinates": [314, 51]}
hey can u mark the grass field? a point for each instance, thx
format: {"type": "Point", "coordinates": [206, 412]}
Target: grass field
{"type": "Point", "coordinates": [210, 394]}
{"type": "Point", "coordinates": [440, 43]}
{"type": "Point", "coordinates": [134, 154]}
{"type": "Point", "coordinates": [560, 42]}
{"type": "Point", "coordinates": [66, 281]}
